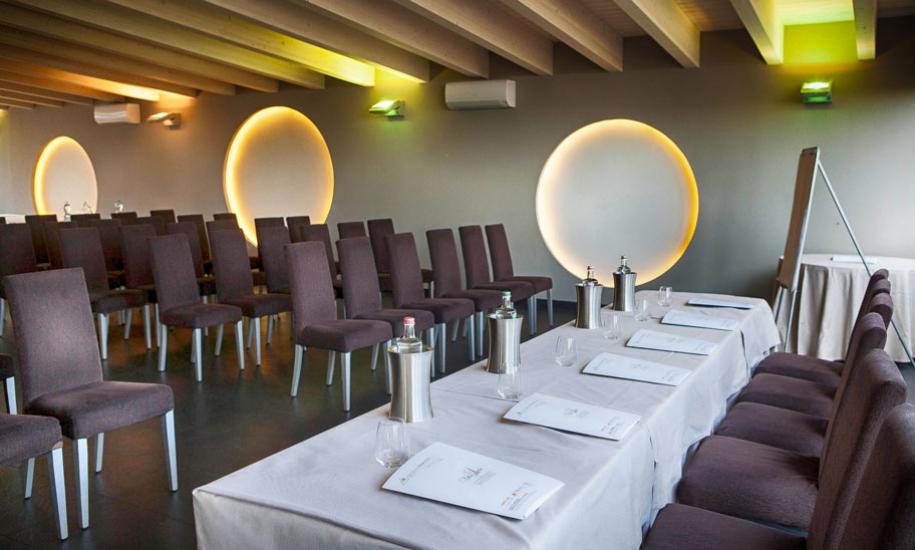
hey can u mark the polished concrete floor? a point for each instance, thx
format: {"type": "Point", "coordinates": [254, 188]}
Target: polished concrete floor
{"type": "Point", "coordinates": [224, 423]}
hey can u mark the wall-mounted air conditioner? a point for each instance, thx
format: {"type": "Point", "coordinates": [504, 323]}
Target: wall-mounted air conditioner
{"type": "Point", "coordinates": [117, 113]}
{"type": "Point", "coordinates": [483, 94]}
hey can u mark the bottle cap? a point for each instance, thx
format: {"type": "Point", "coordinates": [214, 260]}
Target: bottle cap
{"type": "Point", "coordinates": [409, 321]}
{"type": "Point", "coordinates": [507, 293]}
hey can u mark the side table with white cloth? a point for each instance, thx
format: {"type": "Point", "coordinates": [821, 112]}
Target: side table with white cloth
{"type": "Point", "coordinates": [831, 290]}
{"type": "Point", "coordinates": [326, 491]}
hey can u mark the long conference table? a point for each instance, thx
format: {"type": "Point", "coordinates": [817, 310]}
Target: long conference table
{"type": "Point", "coordinates": [325, 492]}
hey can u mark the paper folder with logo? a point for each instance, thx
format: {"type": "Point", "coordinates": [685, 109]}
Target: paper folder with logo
{"type": "Point", "coordinates": [662, 341]}
{"type": "Point", "coordinates": [720, 302]}
{"type": "Point", "coordinates": [698, 319]}
{"type": "Point", "coordinates": [631, 368]}
{"type": "Point", "coordinates": [572, 416]}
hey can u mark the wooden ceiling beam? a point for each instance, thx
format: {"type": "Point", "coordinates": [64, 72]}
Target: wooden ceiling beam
{"type": "Point", "coordinates": [760, 17]}
{"type": "Point", "coordinates": [16, 104]}
{"type": "Point", "coordinates": [117, 90]}
{"type": "Point", "coordinates": [866, 28]}
{"type": "Point", "coordinates": [55, 86]}
{"type": "Point", "coordinates": [47, 94]}
{"type": "Point", "coordinates": [5, 95]}
{"type": "Point", "coordinates": [666, 23]}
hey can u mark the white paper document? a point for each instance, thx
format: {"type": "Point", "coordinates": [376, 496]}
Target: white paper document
{"type": "Point", "coordinates": [448, 474]}
{"type": "Point", "coordinates": [720, 302]}
{"type": "Point", "coordinates": [699, 319]}
{"type": "Point", "coordinates": [662, 341]}
{"type": "Point", "coordinates": [572, 416]}
{"type": "Point", "coordinates": [631, 368]}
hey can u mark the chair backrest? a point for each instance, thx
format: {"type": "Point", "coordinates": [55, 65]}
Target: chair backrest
{"type": "Point", "coordinates": [877, 388]}
{"type": "Point", "coordinates": [361, 292]}
{"type": "Point", "coordinates": [36, 225]}
{"type": "Point", "coordinates": [869, 333]}
{"type": "Point", "coordinates": [883, 514]}
{"type": "Point", "coordinates": [218, 225]}
{"type": "Point", "coordinates": [349, 230]}
{"type": "Point", "coordinates": [446, 268]}
{"type": "Point", "coordinates": [203, 242]}
{"type": "Point", "coordinates": [406, 274]}
{"type": "Point", "coordinates": [499, 253]}
{"type": "Point", "coordinates": [167, 215]}
{"type": "Point", "coordinates": [226, 216]}
{"type": "Point", "coordinates": [135, 247]}
{"type": "Point", "coordinates": [310, 284]}
{"type": "Point", "coordinates": [17, 255]}
{"type": "Point", "coordinates": [231, 265]}
{"type": "Point", "coordinates": [189, 229]}
{"type": "Point", "coordinates": [52, 241]}
{"type": "Point", "coordinates": [110, 233]}
{"type": "Point", "coordinates": [378, 231]}
{"type": "Point", "coordinates": [155, 221]}
{"type": "Point", "coordinates": [476, 268]}
{"type": "Point", "coordinates": [876, 277]}
{"type": "Point", "coordinates": [173, 271]}
{"type": "Point", "coordinates": [55, 331]}
{"type": "Point", "coordinates": [268, 222]}
{"type": "Point", "coordinates": [295, 224]}
{"type": "Point", "coordinates": [125, 217]}
{"type": "Point", "coordinates": [82, 247]}
{"type": "Point", "coordinates": [319, 232]}
{"type": "Point", "coordinates": [79, 219]}
{"type": "Point", "coordinates": [271, 241]}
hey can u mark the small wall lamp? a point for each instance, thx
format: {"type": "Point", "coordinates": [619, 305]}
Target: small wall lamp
{"type": "Point", "coordinates": [172, 121]}
{"type": "Point", "coordinates": [816, 91]}
{"type": "Point", "coordinates": [389, 108]}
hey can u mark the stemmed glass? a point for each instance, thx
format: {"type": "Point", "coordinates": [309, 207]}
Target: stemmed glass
{"type": "Point", "coordinates": [392, 444]}
{"type": "Point", "coordinates": [566, 352]}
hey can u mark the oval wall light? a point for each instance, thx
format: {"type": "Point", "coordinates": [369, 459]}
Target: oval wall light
{"type": "Point", "coordinates": [617, 187]}
{"type": "Point", "coordinates": [277, 164]}
{"type": "Point", "coordinates": [63, 173]}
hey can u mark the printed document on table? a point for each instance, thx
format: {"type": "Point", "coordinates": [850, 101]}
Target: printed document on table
{"type": "Point", "coordinates": [572, 416]}
{"type": "Point", "coordinates": [698, 319]}
{"type": "Point", "coordinates": [662, 341]}
{"type": "Point", "coordinates": [720, 302]}
{"type": "Point", "coordinates": [448, 474]}
{"type": "Point", "coordinates": [631, 368]}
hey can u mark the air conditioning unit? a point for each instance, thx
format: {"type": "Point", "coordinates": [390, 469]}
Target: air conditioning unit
{"type": "Point", "coordinates": [483, 94]}
{"type": "Point", "coordinates": [117, 113]}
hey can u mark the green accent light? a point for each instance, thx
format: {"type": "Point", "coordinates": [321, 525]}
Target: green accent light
{"type": "Point", "coordinates": [816, 91]}
{"type": "Point", "coordinates": [389, 108]}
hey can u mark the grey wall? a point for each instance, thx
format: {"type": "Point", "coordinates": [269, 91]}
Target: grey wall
{"type": "Point", "coordinates": [739, 122]}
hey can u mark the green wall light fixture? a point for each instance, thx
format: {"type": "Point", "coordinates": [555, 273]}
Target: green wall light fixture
{"type": "Point", "coordinates": [389, 108]}
{"type": "Point", "coordinates": [816, 91]}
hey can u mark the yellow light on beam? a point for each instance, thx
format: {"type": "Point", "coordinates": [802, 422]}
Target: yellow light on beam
{"type": "Point", "coordinates": [824, 43]}
{"type": "Point", "coordinates": [63, 173]}
{"type": "Point", "coordinates": [117, 88]}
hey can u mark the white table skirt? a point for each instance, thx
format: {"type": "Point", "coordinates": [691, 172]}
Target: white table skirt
{"type": "Point", "coordinates": [830, 295]}
{"type": "Point", "coordinates": [326, 491]}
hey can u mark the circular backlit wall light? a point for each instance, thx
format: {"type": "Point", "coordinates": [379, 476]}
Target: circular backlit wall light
{"type": "Point", "coordinates": [277, 164]}
{"type": "Point", "coordinates": [64, 173]}
{"type": "Point", "coordinates": [617, 187]}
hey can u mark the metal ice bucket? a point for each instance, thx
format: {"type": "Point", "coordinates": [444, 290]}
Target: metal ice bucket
{"type": "Point", "coordinates": [587, 310]}
{"type": "Point", "coordinates": [411, 400]}
{"type": "Point", "coordinates": [624, 287]}
{"type": "Point", "coordinates": [504, 344]}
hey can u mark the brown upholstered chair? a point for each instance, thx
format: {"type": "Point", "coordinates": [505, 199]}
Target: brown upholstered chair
{"type": "Point", "coordinates": [271, 243]}
{"type": "Point", "coordinates": [179, 301]}
{"type": "Point", "coordinates": [78, 219]}
{"type": "Point", "coordinates": [767, 484]}
{"type": "Point", "coordinates": [110, 234]}
{"type": "Point", "coordinates": [126, 218]}
{"type": "Point", "coordinates": [202, 241]}
{"type": "Point", "coordinates": [61, 374]}
{"type": "Point", "coordinates": [319, 232]}
{"type": "Point", "coordinates": [407, 287]}
{"type": "Point", "coordinates": [24, 437]}
{"type": "Point", "coordinates": [881, 516]}
{"type": "Point", "coordinates": [362, 295]}
{"type": "Point", "coordinates": [167, 215]}
{"type": "Point", "coordinates": [503, 270]}
{"type": "Point", "coordinates": [138, 265]}
{"type": "Point", "coordinates": [316, 323]}
{"type": "Point", "coordinates": [207, 283]}
{"type": "Point", "coordinates": [295, 224]}
{"type": "Point", "coordinates": [379, 230]}
{"type": "Point", "coordinates": [82, 248]}
{"type": "Point", "coordinates": [446, 268]}
{"type": "Point", "coordinates": [36, 226]}
{"type": "Point", "coordinates": [8, 376]}
{"type": "Point", "coordinates": [476, 271]}
{"type": "Point", "coordinates": [350, 230]}
{"type": "Point", "coordinates": [52, 241]}
{"type": "Point", "coordinates": [235, 286]}
{"type": "Point", "coordinates": [155, 221]}
{"type": "Point", "coordinates": [226, 216]}
{"type": "Point", "coordinates": [17, 255]}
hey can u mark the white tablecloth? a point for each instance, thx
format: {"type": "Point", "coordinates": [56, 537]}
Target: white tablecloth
{"type": "Point", "coordinates": [830, 295]}
{"type": "Point", "coordinates": [326, 491]}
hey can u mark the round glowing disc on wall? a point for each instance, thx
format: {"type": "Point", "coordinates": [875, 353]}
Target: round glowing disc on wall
{"type": "Point", "coordinates": [64, 173]}
{"type": "Point", "coordinates": [617, 187]}
{"type": "Point", "coordinates": [278, 164]}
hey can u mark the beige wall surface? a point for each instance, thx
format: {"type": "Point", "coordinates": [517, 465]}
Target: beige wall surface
{"type": "Point", "coordinates": [739, 122]}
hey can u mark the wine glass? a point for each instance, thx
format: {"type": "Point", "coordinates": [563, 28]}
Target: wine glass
{"type": "Point", "coordinates": [613, 326]}
{"type": "Point", "coordinates": [664, 295]}
{"type": "Point", "coordinates": [566, 352]}
{"type": "Point", "coordinates": [641, 310]}
{"type": "Point", "coordinates": [509, 384]}
{"type": "Point", "coordinates": [392, 444]}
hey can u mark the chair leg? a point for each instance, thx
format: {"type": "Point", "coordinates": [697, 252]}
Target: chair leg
{"type": "Point", "coordinates": [345, 360]}
{"type": "Point", "coordinates": [271, 320]}
{"type": "Point", "coordinates": [331, 360]}
{"type": "Point", "coordinates": [103, 335]}
{"type": "Point", "coordinates": [430, 341]}
{"type": "Point", "coordinates": [374, 363]}
{"type": "Point", "coordinates": [99, 451]}
{"type": "Point", "coordinates": [81, 473]}
{"type": "Point", "coordinates": [193, 349]}
{"type": "Point", "coordinates": [171, 456]}
{"type": "Point", "coordinates": [471, 344]}
{"type": "Point", "coordinates": [257, 340]}
{"type": "Point", "coordinates": [297, 370]}
{"type": "Point", "coordinates": [2, 315]}
{"type": "Point", "coordinates": [58, 490]}
{"type": "Point", "coordinates": [250, 333]}
{"type": "Point", "coordinates": [29, 477]}
{"type": "Point", "coordinates": [146, 332]}
{"type": "Point", "coordinates": [240, 344]}
{"type": "Point", "coordinates": [532, 315]}
{"type": "Point", "coordinates": [454, 331]}
{"type": "Point", "coordinates": [481, 332]}
{"type": "Point", "coordinates": [128, 320]}
{"type": "Point", "coordinates": [204, 299]}
{"type": "Point", "coordinates": [163, 345]}
{"type": "Point", "coordinates": [10, 387]}
{"type": "Point", "coordinates": [158, 325]}
{"type": "Point", "coordinates": [443, 337]}
{"type": "Point", "coordinates": [388, 375]}
{"type": "Point", "coordinates": [219, 333]}
{"type": "Point", "coordinates": [549, 306]}
{"type": "Point", "coordinates": [198, 353]}
{"type": "Point", "coordinates": [432, 289]}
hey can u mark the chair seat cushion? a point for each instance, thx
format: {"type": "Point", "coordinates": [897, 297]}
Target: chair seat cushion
{"type": "Point", "coordinates": [6, 366]}
{"type": "Point", "coordinates": [519, 289]}
{"type": "Point", "coordinates": [345, 334]}
{"type": "Point", "coordinates": [200, 315]}
{"type": "Point", "coordinates": [23, 436]}
{"type": "Point", "coordinates": [117, 300]}
{"type": "Point", "coordinates": [445, 310]}
{"type": "Point", "coordinates": [790, 393]}
{"type": "Point", "coordinates": [688, 528]}
{"type": "Point", "coordinates": [540, 284]}
{"type": "Point", "coordinates": [782, 428]}
{"type": "Point", "coordinates": [483, 300]}
{"type": "Point", "coordinates": [103, 406]}
{"type": "Point", "coordinates": [424, 319]}
{"type": "Point", "coordinates": [802, 366]}
{"type": "Point", "coordinates": [261, 305]}
{"type": "Point", "coordinates": [751, 480]}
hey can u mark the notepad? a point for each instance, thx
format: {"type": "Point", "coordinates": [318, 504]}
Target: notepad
{"type": "Point", "coordinates": [698, 319]}
{"type": "Point", "coordinates": [572, 416]}
{"type": "Point", "coordinates": [631, 368]}
{"type": "Point", "coordinates": [720, 302]}
{"type": "Point", "coordinates": [661, 341]}
{"type": "Point", "coordinates": [452, 475]}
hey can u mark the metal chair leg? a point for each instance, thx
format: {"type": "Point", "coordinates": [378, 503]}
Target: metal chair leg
{"type": "Point", "coordinates": [198, 353]}
{"type": "Point", "coordinates": [220, 331]}
{"type": "Point", "coordinates": [454, 331]}
{"type": "Point", "coordinates": [81, 473]}
{"type": "Point", "coordinates": [158, 324]}
{"type": "Point", "coordinates": [146, 329]}
{"type": "Point", "coordinates": [443, 338]}
{"type": "Point", "coordinates": [388, 375]}
{"type": "Point", "coordinates": [250, 333]}
{"type": "Point", "coordinates": [471, 344]}
{"type": "Point", "coordinates": [345, 360]}
{"type": "Point", "coordinates": [257, 340]}
{"type": "Point", "coordinates": [481, 332]}
{"type": "Point", "coordinates": [58, 490]}
{"type": "Point", "coordinates": [29, 477]}
{"type": "Point", "coordinates": [163, 345]}
{"type": "Point", "coordinates": [549, 306]}
{"type": "Point", "coordinates": [171, 455]}
{"type": "Point", "coordinates": [271, 320]}
{"type": "Point", "coordinates": [374, 362]}
{"type": "Point", "coordinates": [331, 360]}
{"type": "Point", "coordinates": [240, 344]}
{"type": "Point", "coordinates": [128, 321]}
{"type": "Point", "coordinates": [532, 315]}
{"type": "Point", "coordinates": [297, 370]}
{"type": "Point", "coordinates": [103, 335]}
{"type": "Point", "coordinates": [2, 315]}
{"type": "Point", "coordinates": [430, 341]}
{"type": "Point", "coordinates": [10, 387]}
{"type": "Point", "coordinates": [99, 451]}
